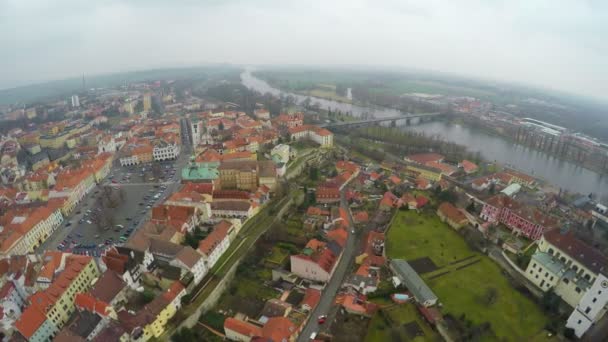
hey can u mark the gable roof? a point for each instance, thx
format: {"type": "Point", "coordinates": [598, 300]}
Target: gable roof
{"type": "Point", "coordinates": [578, 250]}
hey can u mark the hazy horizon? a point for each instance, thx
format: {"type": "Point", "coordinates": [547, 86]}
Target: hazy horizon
{"type": "Point", "coordinates": [551, 45]}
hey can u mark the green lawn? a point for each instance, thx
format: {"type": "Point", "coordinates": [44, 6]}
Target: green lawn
{"type": "Point", "coordinates": [414, 236]}
{"type": "Point", "coordinates": [277, 256]}
{"type": "Point", "coordinates": [380, 331]}
{"type": "Point", "coordinates": [512, 316]}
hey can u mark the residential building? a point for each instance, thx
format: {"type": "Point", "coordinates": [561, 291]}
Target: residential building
{"type": "Point", "coordinates": [317, 134]}
{"type": "Point", "coordinates": [317, 261]}
{"type": "Point", "coordinates": [521, 219]}
{"type": "Point", "coordinates": [216, 243]}
{"type": "Point", "coordinates": [233, 209]}
{"type": "Point", "coordinates": [426, 172]}
{"type": "Point", "coordinates": [164, 150]}
{"type": "Point", "coordinates": [327, 195]}
{"type": "Point", "coordinates": [125, 262]}
{"type": "Point", "coordinates": [27, 229]}
{"type": "Point", "coordinates": [576, 272]}
{"type": "Point", "coordinates": [468, 166]}
{"type": "Point", "coordinates": [56, 302]}
{"type": "Point", "coordinates": [448, 213]}
{"type": "Point", "coordinates": [107, 144]}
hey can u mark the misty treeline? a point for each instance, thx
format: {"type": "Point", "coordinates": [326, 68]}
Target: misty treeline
{"type": "Point", "coordinates": [247, 99]}
{"type": "Point", "coordinates": [366, 94]}
{"type": "Point", "coordinates": [402, 142]}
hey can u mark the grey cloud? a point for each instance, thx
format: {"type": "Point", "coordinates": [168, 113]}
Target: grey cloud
{"type": "Point", "coordinates": [555, 44]}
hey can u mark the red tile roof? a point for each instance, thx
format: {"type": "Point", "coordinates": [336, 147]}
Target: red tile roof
{"type": "Point", "coordinates": [29, 322]}
{"type": "Point", "coordinates": [423, 158]}
{"type": "Point", "coordinates": [311, 298]}
{"type": "Point", "coordinates": [242, 327]}
{"type": "Point", "coordinates": [451, 212]}
{"type": "Point", "coordinates": [279, 329]}
{"type": "Point", "coordinates": [219, 233]}
{"type": "Point", "coordinates": [578, 250]}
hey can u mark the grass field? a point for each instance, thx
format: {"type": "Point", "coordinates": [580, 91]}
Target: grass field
{"type": "Point", "coordinates": [512, 316]}
{"type": "Point", "coordinates": [380, 331]}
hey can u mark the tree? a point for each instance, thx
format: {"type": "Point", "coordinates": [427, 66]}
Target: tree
{"type": "Point", "coordinates": [447, 196]}
{"type": "Point", "coordinates": [492, 188]}
{"type": "Point", "coordinates": [314, 173]}
{"type": "Point", "coordinates": [147, 296]}
{"type": "Point", "coordinates": [569, 333]}
{"type": "Point", "coordinates": [550, 301]}
{"type": "Point", "coordinates": [471, 207]}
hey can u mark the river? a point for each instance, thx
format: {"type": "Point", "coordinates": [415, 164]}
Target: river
{"type": "Point", "coordinates": [560, 173]}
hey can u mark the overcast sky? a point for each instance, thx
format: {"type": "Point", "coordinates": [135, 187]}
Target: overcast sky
{"type": "Point", "coordinates": [559, 44]}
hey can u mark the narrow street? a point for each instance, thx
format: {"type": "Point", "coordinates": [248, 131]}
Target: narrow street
{"type": "Point", "coordinates": [331, 288]}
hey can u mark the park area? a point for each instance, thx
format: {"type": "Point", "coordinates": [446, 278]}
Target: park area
{"type": "Point", "coordinates": [471, 287]}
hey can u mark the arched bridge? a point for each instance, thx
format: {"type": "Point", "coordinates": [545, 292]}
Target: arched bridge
{"type": "Point", "coordinates": [378, 120]}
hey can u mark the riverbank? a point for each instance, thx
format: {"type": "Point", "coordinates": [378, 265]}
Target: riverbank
{"type": "Point", "coordinates": [560, 173]}
{"type": "Point", "coordinates": [512, 136]}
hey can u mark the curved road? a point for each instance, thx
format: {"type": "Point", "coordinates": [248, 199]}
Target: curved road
{"type": "Point", "coordinates": [331, 288]}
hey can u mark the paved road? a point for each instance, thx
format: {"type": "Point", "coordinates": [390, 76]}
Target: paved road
{"type": "Point", "coordinates": [334, 284]}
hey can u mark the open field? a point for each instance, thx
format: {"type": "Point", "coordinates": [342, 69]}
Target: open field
{"type": "Point", "coordinates": [474, 285]}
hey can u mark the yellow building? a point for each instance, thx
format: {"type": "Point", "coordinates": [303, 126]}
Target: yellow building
{"type": "Point", "coordinates": [425, 172]}
{"type": "Point", "coordinates": [56, 302]}
{"type": "Point", "coordinates": [147, 102]}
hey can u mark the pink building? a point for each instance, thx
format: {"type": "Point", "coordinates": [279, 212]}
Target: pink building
{"type": "Point", "coordinates": [522, 219]}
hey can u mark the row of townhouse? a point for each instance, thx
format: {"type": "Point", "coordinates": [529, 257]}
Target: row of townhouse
{"type": "Point", "coordinates": [23, 231]}
{"type": "Point", "coordinates": [576, 272]}
{"type": "Point", "coordinates": [49, 309]}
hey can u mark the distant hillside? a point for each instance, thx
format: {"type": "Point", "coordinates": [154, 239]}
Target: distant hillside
{"type": "Point", "coordinates": [52, 89]}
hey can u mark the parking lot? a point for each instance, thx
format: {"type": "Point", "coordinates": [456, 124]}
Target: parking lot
{"type": "Point", "coordinates": [114, 209]}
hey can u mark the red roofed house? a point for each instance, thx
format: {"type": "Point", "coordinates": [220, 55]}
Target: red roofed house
{"type": "Point", "coordinates": [316, 264]}
{"type": "Point", "coordinates": [447, 212]}
{"type": "Point", "coordinates": [216, 243]}
{"type": "Point", "coordinates": [57, 301]}
{"type": "Point", "coordinates": [311, 299]}
{"type": "Point", "coordinates": [238, 330]}
{"type": "Point", "coordinates": [357, 304]}
{"type": "Point", "coordinates": [319, 135]}
{"type": "Point", "coordinates": [349, 166]}
{"type": "Point", "coordinates": [423, 158]}
{"type": "Point", "coordinates": [522, 219]}
{"type": "Point", "coordinates": [468, 166]}
{"type": "Point", "coordinates": [327, 195]}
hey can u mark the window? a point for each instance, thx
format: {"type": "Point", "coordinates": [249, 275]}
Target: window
{"type": "Point", "coordinates": [599, 292]}
{"type": "Point", "coordinates": [546, 274]}
{"type": "Point", "coordinates": [566, 281]}
{"type": "Point", "coordinates": [588, 309]}
{"type": "Point", "coordinates": [579, 322]}
{"type": "Point", "coordinates": [534, 265]}
{"type": "Point", "coordinates": [594, 300]}
{"type": "Point", "coordinates": [551, 278]}
{"type": "Point", "coordinates": [578, 290]}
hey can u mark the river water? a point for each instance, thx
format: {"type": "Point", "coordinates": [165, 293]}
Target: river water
{"type": "Point", "coordinates": [560, 173]}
